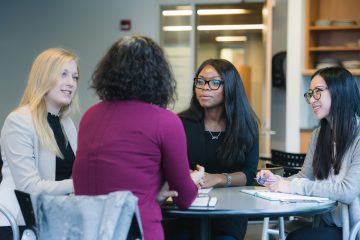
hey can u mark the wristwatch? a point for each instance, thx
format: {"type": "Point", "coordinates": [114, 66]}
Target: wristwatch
{"type": "Point", "coordinates": [228, 180]}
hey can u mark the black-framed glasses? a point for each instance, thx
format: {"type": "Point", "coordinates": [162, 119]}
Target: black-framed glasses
{"type": "Point", "coordinates": [315, 93]}
{"type": "Point", "coordinates": [213, 84]}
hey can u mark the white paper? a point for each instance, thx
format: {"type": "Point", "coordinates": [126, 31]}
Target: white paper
{"type": "Point", "coordinates": [204, 190]}
{"type": "Point", "coordinates": [204, 201]}
{"type": "Point", "coordinates": [284, 197]}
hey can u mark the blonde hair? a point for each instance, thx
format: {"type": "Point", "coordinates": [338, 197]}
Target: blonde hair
{"type": "Point", "coordinates": [46, 69]}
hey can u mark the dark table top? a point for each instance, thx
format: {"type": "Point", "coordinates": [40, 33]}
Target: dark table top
{"type": "Point", "coordinates": [233, 202]}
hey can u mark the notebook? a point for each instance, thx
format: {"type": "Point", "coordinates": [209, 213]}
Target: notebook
{"type": "Point", "coordinates": [283, 197]}
{"type": "Point", "coordinates": [204, 200]}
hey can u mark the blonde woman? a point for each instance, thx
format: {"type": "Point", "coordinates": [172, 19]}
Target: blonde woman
{"type": "Point", "coordinates": [38, 139]}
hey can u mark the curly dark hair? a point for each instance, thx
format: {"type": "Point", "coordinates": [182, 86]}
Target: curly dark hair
{"type": "Point", "coordinates": [135, 67]}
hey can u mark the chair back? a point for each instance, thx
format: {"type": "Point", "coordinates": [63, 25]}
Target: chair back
{"type": "Point", "coordinates": [14, 227]}
{"type": "Point", "coordinates": [291, 162]}
{"type": "Point", "coordinates": [27, 209]}
{"type": "Point", "coordinates": [108, 217]}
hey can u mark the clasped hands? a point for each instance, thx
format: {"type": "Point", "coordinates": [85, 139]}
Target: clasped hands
{"type": "Point", "coordinates": [274, 182]}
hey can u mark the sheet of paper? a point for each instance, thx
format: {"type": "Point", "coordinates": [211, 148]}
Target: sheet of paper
{"type": "Point", "coordinates": [204, 190]}
{"type": "Point", "coordinates": [204, 201]}
{"type": "Point", "coordinates": [284, 197]}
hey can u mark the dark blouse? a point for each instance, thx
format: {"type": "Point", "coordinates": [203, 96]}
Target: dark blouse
{"type": "Point", "coordinates": [202, 149]}
{"type": "Point", "coordinates": [63, 166]}
{"type": "Point", "coordinates": [211, 162]}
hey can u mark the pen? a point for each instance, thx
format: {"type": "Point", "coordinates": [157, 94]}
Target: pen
{"type": "Point", "coordinates": [262, 180]}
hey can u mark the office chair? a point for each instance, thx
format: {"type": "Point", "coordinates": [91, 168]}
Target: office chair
{"type": "Point", "coordinates": [291, 164]}
{"type": "Point", "coordinates": [108, 217]}
{"type": "Point", "coordinates": [12, 221]}
{"type": "Point", "coordinates": [349, 233]}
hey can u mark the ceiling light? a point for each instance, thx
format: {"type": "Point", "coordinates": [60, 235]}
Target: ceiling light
{"type": "Point", "coordinates": [231, 27]}
{"type": "Point", "coordinates": [176, 28]}
{"type": "Point", "coordinates": [231, 38]}
{"type": "Point", "coordinates": [215, 27]}
{"type": "Point", "coordinates": [180, 12]}
{"type": "Point", "coordinates": [222, 11]}
{"type": "Point", "coordinates": [177, 12]}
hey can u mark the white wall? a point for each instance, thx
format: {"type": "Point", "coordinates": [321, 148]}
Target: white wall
{"type": "Point", "coordinates": [278, 95]}
{"type": "Point", "coordinates": [294, 81]}
{"type": "Point", "coordinates": [88, 27]}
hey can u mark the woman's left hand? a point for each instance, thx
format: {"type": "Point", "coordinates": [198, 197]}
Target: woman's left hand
{"type": "Point", "coordinates": [211, 180]}
{"type": "Point", "coordinates": [165, 193]}
{"type": "Point", "coordinates": [280, 186]}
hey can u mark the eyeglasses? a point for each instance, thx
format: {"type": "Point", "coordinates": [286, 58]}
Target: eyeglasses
{"type": "Point", "coordinates": [213, 84]}
{"type": "Point", "coordinates": [315, 93]}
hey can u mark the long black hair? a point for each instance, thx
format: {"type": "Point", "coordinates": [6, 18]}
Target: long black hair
{"type": "Point", "coordinates": [135, 67]}
{"type": "Point", "coordinates": [241, 122]}
{"type": "Point", "coordinates": [336, 135]}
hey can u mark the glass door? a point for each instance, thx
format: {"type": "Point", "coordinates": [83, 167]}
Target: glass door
{"type": "Point", "coordinates": [240, 33]}
{"type": "Point", "coordinates": [177, 39]}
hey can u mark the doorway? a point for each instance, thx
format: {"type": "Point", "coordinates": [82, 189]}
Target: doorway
{"type": "Point", "coordinates": [240, 33]}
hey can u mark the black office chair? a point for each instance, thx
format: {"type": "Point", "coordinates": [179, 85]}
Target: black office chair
{"type": "Point", "coordinates": [291, 162]}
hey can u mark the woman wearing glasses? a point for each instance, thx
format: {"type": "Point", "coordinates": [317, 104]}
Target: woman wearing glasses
{"type": "Point", "coordinates": [222, 136]}
{"type": "Point", "coordinates": [332, 164]}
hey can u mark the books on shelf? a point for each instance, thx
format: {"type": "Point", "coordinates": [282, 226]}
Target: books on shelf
{"type": "Point", "coordinates": [283, 197]}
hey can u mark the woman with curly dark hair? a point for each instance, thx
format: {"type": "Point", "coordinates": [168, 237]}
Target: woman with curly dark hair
{"type": "Point", "coordinates": [129, 141]}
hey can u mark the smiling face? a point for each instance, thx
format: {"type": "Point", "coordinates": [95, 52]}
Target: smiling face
{"type": "Point", "coordinates": [321, 107]}
{"type": "Point", "coordinates": [64, 89]}
{"type": "Point", "coordinates": [210, 98]}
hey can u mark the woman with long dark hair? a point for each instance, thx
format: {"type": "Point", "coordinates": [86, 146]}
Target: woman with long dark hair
{"type": "Point", "coordinates": [332, 164]}
{"type": "Point", "coordinates": [222, 135]}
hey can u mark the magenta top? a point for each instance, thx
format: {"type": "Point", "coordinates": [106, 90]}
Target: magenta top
{"type": "Point", "coordinates": [136, 146]}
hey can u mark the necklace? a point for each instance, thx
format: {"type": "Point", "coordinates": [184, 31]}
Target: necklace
{"type": "Point", "coordinates": [214, 137]}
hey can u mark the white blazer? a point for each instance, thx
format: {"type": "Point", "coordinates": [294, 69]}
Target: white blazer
{"type": "Point", "coordinates": [28, 166]}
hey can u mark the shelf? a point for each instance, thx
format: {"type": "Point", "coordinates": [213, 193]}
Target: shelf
{"type": "Point", "coordinates": [310, 72]}
{"type": "Point", "coordinates": [332, 41]}
{"type": "Point", "coordinates": [333, 49]}
{"type": "Point", "coordinates": [332, 28]}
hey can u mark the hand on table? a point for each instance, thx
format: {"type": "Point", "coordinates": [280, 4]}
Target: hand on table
{"type": "Point", "coordinates": [274, 182]}
{"type": "Point", "coordinates": [198, 175]}
{"type": "Point", "coordinates": [165, 193]}
{"type": "Point", "coordinates": [266, 177]}
{"type": "Point", "coordinates": [280, 186]}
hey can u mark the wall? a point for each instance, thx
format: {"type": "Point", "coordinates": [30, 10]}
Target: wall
{"type": "Point", "coordinates": [89, 27]}
{"type": "Point", "coordinates": [295, 53]}
{"type": "Point", "coordinates": [278, 100]}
